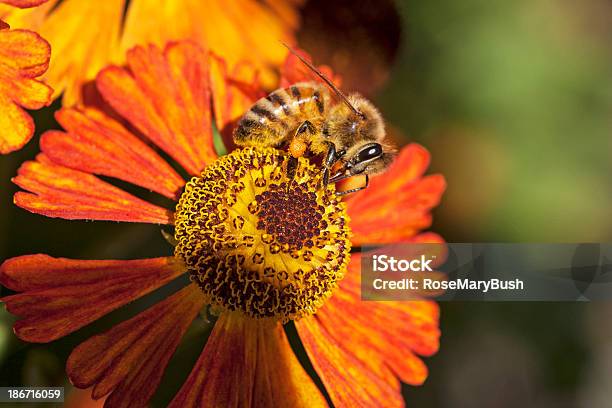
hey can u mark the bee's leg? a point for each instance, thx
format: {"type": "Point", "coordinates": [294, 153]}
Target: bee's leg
{"type": "Point", "coordinates": [298, 146]}
{"type": "Point", "coordinates": [330, 159]}
{"type": "Point", "coordinates": [306, 126]}
{"type": "Point", "coordinates": [354, 190]}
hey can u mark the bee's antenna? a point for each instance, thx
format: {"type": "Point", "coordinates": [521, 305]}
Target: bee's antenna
{"type": "Point", "coordinates": [325, 79]}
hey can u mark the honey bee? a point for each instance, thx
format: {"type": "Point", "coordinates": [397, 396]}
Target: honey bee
{"type": "Point", "coordinates": [349, 134]}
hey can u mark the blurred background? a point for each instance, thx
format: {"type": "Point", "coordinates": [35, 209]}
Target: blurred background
{"type": "Point", "coordinates": [514, 101]}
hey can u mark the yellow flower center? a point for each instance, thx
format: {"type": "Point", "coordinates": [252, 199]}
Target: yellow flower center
{"type": "Point", "coordinates": [258, 242]}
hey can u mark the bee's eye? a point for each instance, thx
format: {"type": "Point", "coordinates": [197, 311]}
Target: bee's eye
{"type": "Point", "coordinates": [370, 152]}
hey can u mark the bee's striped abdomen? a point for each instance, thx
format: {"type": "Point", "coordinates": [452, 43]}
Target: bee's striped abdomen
{"type": "Point", "coordinates": [274, 118]}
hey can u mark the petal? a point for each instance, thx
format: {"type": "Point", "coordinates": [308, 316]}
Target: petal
{"type": "Point", "coordinates": [24, 52]}
{"type": "Point", "coordinates": [16, 124]}
{"type": "Point", "coordinates": [57, 191]}
{"type": "Point", "coordinates": [294, 70]}
{"type": "Point", "coordinates": [377, 351]}
{"type": "Point", "coordinates": [129, 360]}
{"type": "Point", "coordinates": [76, 398]}
{"type": "Point", "coordinates": [85, 37]}
{"type": "Point", "coordinates": [95, 143]}
{"type": "Point", "coordinates": [391, 333]}
{"type": "Point", "coordinates": [287, 11]}
{"type": "Point", "coordinates": [30, 18]}
{"type": "Point", "coordinates": [24, 3]}
{"type": "Point", "coordinates": [240, 30]}
{"type": "Point", "coordinates": [62, 295]}
{"type": "Point", "coordinates": [232, 96]}
{"type": "Point", "coordinates": [88, 35]}
{"type": "Point", "coordinates": [397, 204]}
{"type": "Point", "coordinates": [166, 96]}
{"type": "Point", "coordinates": [24, 55]}
{"type": "Point", "coordinates": [340, 371]}
{"type": "Point", "coordinates": [246, 363]}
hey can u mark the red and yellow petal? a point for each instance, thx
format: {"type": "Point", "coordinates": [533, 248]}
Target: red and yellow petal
{"type": "Point", "coordinates": [88, 35]}
{"type": "Point", "coordinates": [240, 30]}
{"type": "Point", "coordinates": [382, 340]}
{"type": "Point", "coordinates": [24, 3]}
{"type": "Point", "coordinates": [85, 38]}
{"type": "Point", "coordinates": [412, 327]}
{"type": "Point", "coordinates": [128, 361]}
{"type": "Point", "coordinates": [424, 342]}
{"type": "Point", "coordinates": [294, 70]}
{"type": "Point", "coordinates": [57, 191]}
{"type": "Point", "coordinates": [26, 18]}
{"type": "Point", "coordinates": [341, 371]}
{"type": "Point", "coordinates": [76, 398]}
{"type": "Point", "coordinates": [95, 143]}
{"type": "Point", "coordinates": [24, 55]}
{"type": "Point", "coordinates": [287, 10]}
{"type": "Point", "coordinates": [233, 92]}
{"type": "Point", "coordinates": [397, 204]}
{"type": "Point", "coordinates": [248, 362]}
{"type": "Point", "coordinates": [62, 295]}
{"type": "Point", "coordinates": [166, 96]}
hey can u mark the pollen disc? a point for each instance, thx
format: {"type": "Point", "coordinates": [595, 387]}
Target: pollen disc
{"type": "Point", "coordinates": [258, 242]}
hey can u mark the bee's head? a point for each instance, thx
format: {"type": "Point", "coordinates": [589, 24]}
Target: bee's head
{"type": "Point", "coordinates": [361, 134]}
{"type": "Point", "coordinates": [362, 121]}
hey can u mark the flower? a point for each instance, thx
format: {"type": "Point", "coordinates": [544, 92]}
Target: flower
{"type": "Point", "coordinates": [77, 398]}
{"type": "Point", "coordinates": [88, 35]}
{"type": "Point", "coordinates": [24, 56]}
{"type": "Point", "coordinates": [256, 261]}
{"type": "Point", "coordinates": [24, 3]}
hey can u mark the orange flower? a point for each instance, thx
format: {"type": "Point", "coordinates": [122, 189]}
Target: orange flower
{"type": "Point", "coordinates": [88, 35]}
{"type": "Point", "coordinates": [77, 398]}
{"type": "Point", "coordinates": [24, 3]}
{"type": "Point", "coordinates": [24, 56]}
{"type": "Point", "coordinates": [225, 217]}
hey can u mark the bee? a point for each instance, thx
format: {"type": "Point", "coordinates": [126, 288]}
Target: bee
{"type": "Point", "coordinates": [350, 134]}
